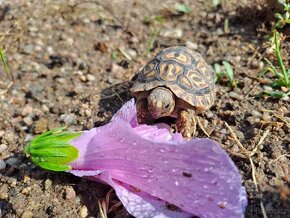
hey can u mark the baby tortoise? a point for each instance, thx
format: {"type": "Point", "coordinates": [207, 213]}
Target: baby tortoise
{"type": "Point", "coordinates": [178, 83]}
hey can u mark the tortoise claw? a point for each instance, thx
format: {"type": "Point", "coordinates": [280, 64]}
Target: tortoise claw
{"type": "Point", "coordinates": [186, 123]}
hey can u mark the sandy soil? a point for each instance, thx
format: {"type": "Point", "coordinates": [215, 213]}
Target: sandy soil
{"type": "Point", "coordinates": [72, 62]}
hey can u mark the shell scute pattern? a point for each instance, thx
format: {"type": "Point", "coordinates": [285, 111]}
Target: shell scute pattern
{"type": "Point", "coordinates": [184, 72]}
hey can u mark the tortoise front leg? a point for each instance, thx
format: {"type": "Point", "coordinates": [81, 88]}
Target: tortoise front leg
{"type": "Point", "coordinates": [186, 123]}
{"type": "Point", "coordinates": [142, 111]}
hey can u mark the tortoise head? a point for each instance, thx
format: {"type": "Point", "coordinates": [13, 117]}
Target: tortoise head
{"type": "Point", "coordinates": [161, 102]}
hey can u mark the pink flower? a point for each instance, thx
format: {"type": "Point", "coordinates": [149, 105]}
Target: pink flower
{"type": "Point", "coordinates": [148, 166]}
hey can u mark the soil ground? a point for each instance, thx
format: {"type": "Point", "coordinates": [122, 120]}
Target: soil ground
{"type": "Point", "coordinates": [72, 62]}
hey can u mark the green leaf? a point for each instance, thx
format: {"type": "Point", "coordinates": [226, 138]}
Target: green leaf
{"type": "Point", "coordinates": [276, 94]}
{"type": "Point", "coordinates": [51, 150]}
{"type": "Point", "coordinates": [183, 8]}
{"type": "Point", "coordinates": [3, 59]}
{"type": "Point", "coordinates": [279, 16]}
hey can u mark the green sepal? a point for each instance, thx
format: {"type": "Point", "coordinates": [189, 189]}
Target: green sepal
{"type": "Point", "coordinates": [51, 150]}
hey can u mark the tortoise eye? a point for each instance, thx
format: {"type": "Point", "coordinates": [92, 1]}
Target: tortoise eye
{"type": "Point", "coordinates": [167, 106]}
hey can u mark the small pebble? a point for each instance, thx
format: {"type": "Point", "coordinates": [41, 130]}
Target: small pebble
{"type": "Point", "coordinates": [28, 120]}
{"type": "Point", "coordinates": [191, 45]}
{"type": "Point", "coordinates": [266, 117]}
{"type": "Point", "coordinates": [26, 191]}
{"type": "Point", "coordinates": [4, 189]}
{"type": "Point", "coordinates": [91, 77]}
{"type": "Point", "coordinates": [83, 211]}
{"type": "Point", "coordinates": [3, 147]}
{"type": "Point", "coordinates": [70, 193]}
{"type": "Point", "coordinates": [45, 108]}
{"type": "Point", "coordinates": [32, 29]}
{"type": "Point", "coordinates": [132, 52]}
{"type": "Point", "coordinates": [11, 161]}
{"type": "Point", "coordinates": [2, 165]}
{"type": "Point", "coordinates": [12, 182]}
{"type": "Point", "coordinates": [69, 119]}
{"type": "Point", "coordinates": [28, 49]}
{"type": "Point", "coordinates": [83, 78]}
{"type": "Point", "coordinates": [223, 131]}
{"type": "Point", "coordinates": [209, 114]}
{"type": "Point", "coordinates": [234, 95]}
{"type": "Point", "coordinates": [173, 33]}
{"type": "Point", "coordinates": [47, 184]}
{"type": "Point", "coordinates": [49, 50]}
{"type": "Point", "coordinates": [240, 135]}
{"type": "Point", "coordinates": [26, 110]}
{"type": "Point", "coordinates": [256, 113]}
{"type": "Point", "coordinates": [88, 113]}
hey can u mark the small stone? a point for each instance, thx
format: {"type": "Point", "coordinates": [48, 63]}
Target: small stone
{"type": "Point", "coordinates": [70, 41]}
{"type": "Point", "coordinates": [173, 33]}
{"type": "Point", "coordinates": [12, 161]}
{"type": "Point", "coordinates": [3, 147]}
{"type": "Point", "coordinates": [26, 110]}
{"type": "Point", "coordinates": [61, 80]}
{"type": "Point", "coordinates": [27, 214]}
{"type": "Point", "coordinates": [49, 50]}
{"type": "Point", "coordinates": [47, 184]}
{"type": "Point", "coordinates": [235, 148]}
{"type": "Point", "coordinates": [91, 77]}
{"type": "Point", "coordinates": [4, 189]}
{"type": "Point", "coordinates": [12, 182]}
{"type": "Point", "coordinates": [234, 95]}
{"type": "Point", "coordinates": [88, 113]}
{"type": "Point", "coordinates": [209, 114]}
{"type": "Point", "coordinates": [256, 113]}
{"type": "Point", "coordinates": [223, 131]}
{"type": "Point", "coordinates": [83, 78]}
{"type": "Point", "coordinates": [45, 108]}
{"type": "Point", "coordinates": [70, 193]}
{"type": "Point", "coordinates": [28, 120]}
{"type": "Point", "coordinates": [132, 52]}
{"type": "Point", "coordinates": [37, 48]}
{"type": "Point", "coordinates": [267, 117]}
{"type": "Point", "coordinates": [32, 29]}
{"type": "Point", "coordinates": [86, 20]}
{"type": "Point", "coordinates": [28, 49]}
{"type": "Point", "coordinates": [28, 138]}
{"type": "Point", "coordinates": [69, 119]}
{"type": "Point", "coordinates": [83, 211]}
{"type": "Point", "coordinates": [240, 135]}
{"type": "Point", "coordinates": [191, 45]}
{"type": "Point", "coordinates": [2, 165]}
{"type": "Point", "coordinates": [26, 191]}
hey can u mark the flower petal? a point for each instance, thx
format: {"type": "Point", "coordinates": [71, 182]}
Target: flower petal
{"type": "Point", "coordinates": [141, 204]}
{"type": "Point", "coordinates": [197, 175]}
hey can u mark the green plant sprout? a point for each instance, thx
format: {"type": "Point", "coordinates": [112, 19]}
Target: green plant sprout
{"type": "Point", "coordinates": [150, 43]}
{"type": "Point", "coordinates": [225, 71]}
{"type": "Point", "coordinates": [183, 8]}
{"type": "Point", "coordinates": [283, 75]}
{"type": "Point", "coordinates": [51, 150]}
{"type": "Point", "coordinates": [3, 59]}
{"type": "Point", "coordinates": [283, 19]}
{"type": "Point", "coordinates": [153, 19]}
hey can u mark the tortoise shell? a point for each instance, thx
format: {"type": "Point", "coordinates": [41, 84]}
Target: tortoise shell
{"type": "Point", "coordinates": [181, 70]}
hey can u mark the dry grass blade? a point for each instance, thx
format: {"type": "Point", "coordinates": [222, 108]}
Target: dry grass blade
{"type": "Point", "coordinates": [248, 155]}
{"type": "Point", "coordinates": [283, 155]}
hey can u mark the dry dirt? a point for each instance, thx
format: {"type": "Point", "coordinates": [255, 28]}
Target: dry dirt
{"type": "Point", "coordinates": [72, 62]}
